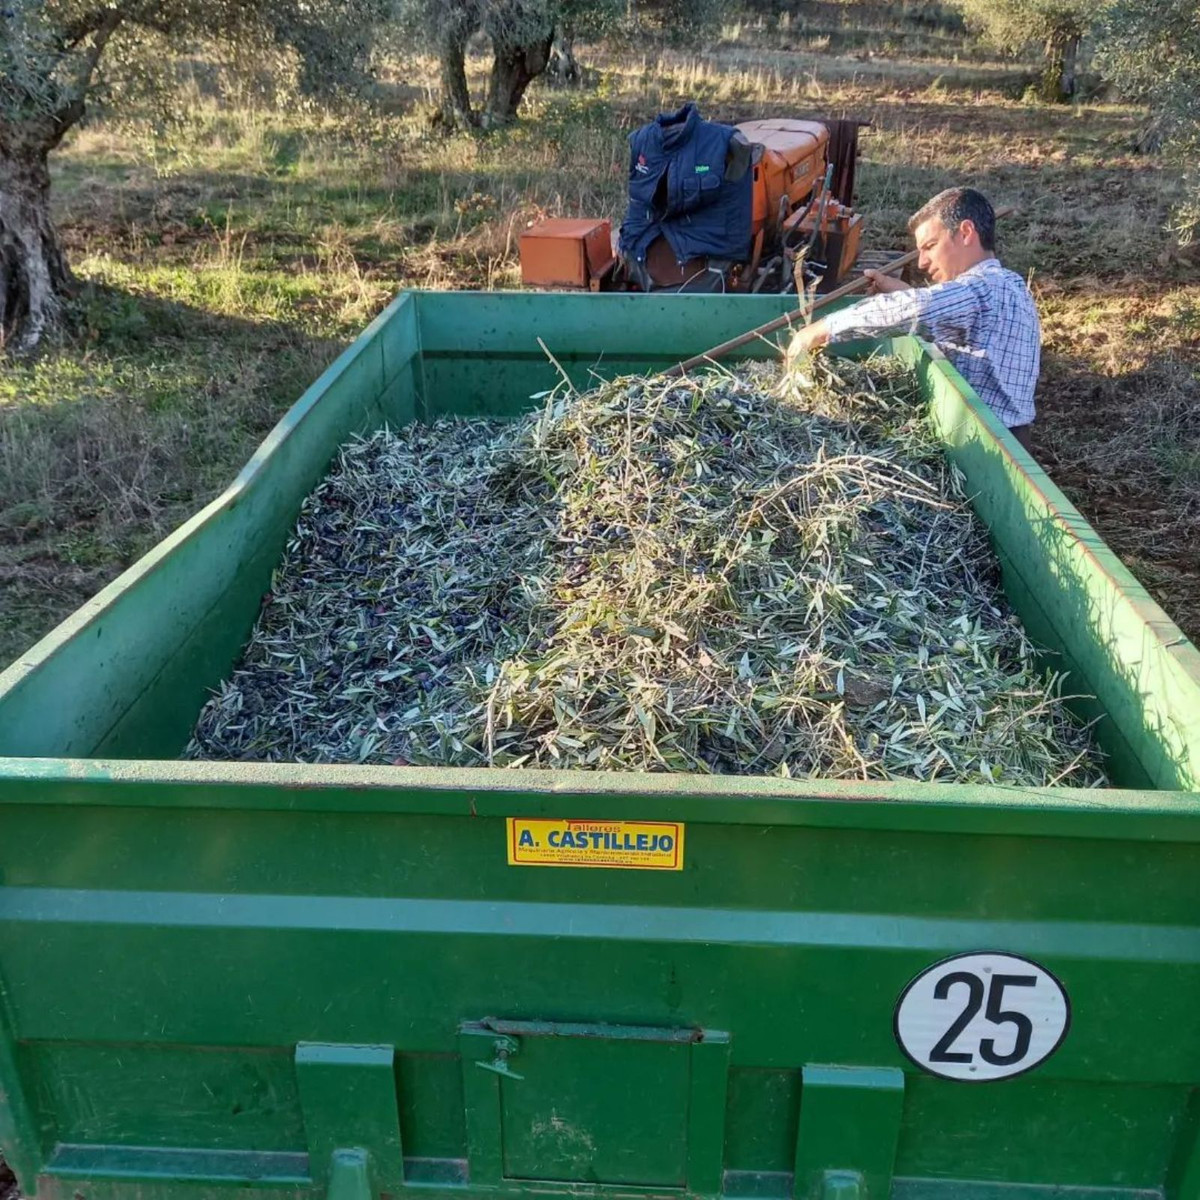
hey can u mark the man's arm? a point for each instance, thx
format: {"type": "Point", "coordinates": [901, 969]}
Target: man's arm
{"type": "Point", "coordinates": [885, 313]}
{"type": "Point", "coordinates": [931, 311]}
{"type": "Point", "coordinates": [878, 282]}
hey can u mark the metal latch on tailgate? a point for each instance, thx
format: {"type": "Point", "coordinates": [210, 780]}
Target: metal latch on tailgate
{"type": "Point", "coordinates": [504, 1048]}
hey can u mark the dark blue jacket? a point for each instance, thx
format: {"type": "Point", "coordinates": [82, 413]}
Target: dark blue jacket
{"type": "Point", "coordinates": [678, 188]}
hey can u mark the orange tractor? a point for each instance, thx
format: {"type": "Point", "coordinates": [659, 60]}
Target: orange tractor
{"type": "Point", "coordinates": [804, 232]}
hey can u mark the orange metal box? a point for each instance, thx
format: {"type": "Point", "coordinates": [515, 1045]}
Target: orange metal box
{"type": "Point", "coordinates": [565, 253]}
{"type": "Point", "coordinates": [792, 164]}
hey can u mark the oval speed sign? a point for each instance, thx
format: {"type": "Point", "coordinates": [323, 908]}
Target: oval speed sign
{"type": "Point", "coordinates": [984, 1016]}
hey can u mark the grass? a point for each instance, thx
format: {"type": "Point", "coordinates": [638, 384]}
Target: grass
{"type": "Point", "coordinates": [226, 261]}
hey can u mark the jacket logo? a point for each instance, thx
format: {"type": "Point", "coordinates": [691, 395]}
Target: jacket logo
{"type": "Point", "coordinates": [701, 169]}
{"type": "Point", "coordinates": [640, 165]}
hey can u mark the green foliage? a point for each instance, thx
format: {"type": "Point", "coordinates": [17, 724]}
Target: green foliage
{"type": "Point", "coordinates": [591, 19]}
{"type": "Point", "coordinates": [1013, 25]}
{"type": "Point", "coordinates": [425, 23]}
{"type": "Point", "coordinates": [57, 56]}
{"type": "Point", "coordinates": [509, 22]}
{"type": "Point", "coordinates": [35, 78]}
{"type": "Point", "coordinates": [1151, 50]}
{"type": "Point", "coordinates": [674, 20]}
{"type": "Point", "coordinates": [1058, 25]}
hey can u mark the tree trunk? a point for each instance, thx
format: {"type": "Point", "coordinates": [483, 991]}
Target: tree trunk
{"type": "Point", "coordinates": [1066, 85]}
{"type": "Point", "coordinates": [1058, 80]}
{"type": "Point", "coordinates": [34, 277]}
{"type": "Point", "coordinates": [457, 112]}
{"type": "Point", "coordinates": [1149, 139]}
{"type": "Point", "coordinates": [563, 68]}
{"type": "Point", "coordinates": [513, 69]}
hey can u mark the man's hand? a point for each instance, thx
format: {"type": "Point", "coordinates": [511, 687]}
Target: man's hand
{"type": "Point", "coordinates": [879, 282]}
{"type": "Point", "coordinates": [806, 340]}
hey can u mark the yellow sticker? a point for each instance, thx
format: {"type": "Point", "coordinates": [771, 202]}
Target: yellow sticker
{"type": "Point", "coordinates": [631, 845]}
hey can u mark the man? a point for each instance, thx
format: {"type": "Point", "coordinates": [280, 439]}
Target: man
{"type": "Point", "coordinates": [978, 313]}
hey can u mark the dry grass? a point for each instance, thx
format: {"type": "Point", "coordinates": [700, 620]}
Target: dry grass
{"type": "Point", "coordinates": [1121, 427]}
{"type": "Point", "coordinates": [229, 258]}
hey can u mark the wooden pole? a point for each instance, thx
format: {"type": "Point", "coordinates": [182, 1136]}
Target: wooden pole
{"type": "Point", "coordinates": [805, 310]}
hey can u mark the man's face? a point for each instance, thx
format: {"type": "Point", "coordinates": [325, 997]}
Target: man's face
{"type": "Point", "coordinates": [946, 253]}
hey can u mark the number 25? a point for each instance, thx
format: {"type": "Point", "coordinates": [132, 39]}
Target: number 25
{"type": "Point", "coordinates": [943, 1053]}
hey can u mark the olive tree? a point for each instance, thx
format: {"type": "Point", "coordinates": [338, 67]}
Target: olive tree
{"type": "Point", "coordinates": [527, 37]}
{"type": "Point", "coordinates": [58, 58]}
{"type": "Point", "coordinates": [1150, 49]}
{"type": "Point", "coordinates": [1058, 26]}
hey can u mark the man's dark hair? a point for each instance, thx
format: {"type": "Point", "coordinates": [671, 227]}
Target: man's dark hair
{"type": "Point", "coordinates": [955, 205]}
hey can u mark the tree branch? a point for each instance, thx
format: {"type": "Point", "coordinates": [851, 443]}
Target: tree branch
{"type": "Point", "coordinates": [75, 31]}
{"type": "Point", "coordinates": [73, 110]}
{"type": "Point", "coordinates": [108, 26]}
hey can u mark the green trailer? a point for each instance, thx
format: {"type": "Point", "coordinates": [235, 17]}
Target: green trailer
{"type": "Point", "coordinates": [290, 981]}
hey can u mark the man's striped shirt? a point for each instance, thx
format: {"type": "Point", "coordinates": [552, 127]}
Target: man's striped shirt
{"type": "Point", "coordinates": [984, 321]}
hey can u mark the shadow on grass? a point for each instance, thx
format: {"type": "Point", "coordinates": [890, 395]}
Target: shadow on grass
{"type": "Point", "coordinates": [144, 412]}
{"type": "Point", "coordinates": [294, 222]}
{"type": "Point", "coordinates": [1126, 448]}
{"type": "Point", "coordinates": [1070, 223]}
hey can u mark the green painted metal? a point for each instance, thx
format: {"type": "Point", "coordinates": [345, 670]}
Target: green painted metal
{"type": "Point", "coordinates": [849, 1129]}
{"type": "Point", "coordinates": [350, 1176]}
{"type": "Point", "coordinates": [1183, 1173]}
{"type": "Point", "coordinates": [291, 981]}
{"type": "Point", "coordinates": [348, 1098]}
{"type": "Point", "coordinates": [1074, 595]}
